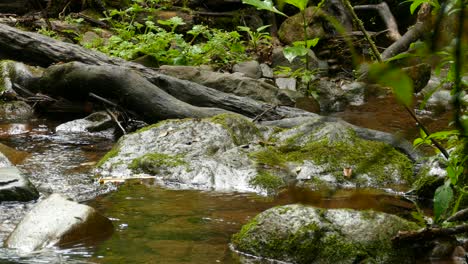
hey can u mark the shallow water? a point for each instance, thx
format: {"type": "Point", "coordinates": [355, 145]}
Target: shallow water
{"type": "Point", "coordinates": [152, 224]}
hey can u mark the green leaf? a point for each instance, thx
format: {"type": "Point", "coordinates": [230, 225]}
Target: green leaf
{"type": "Point", "coordinates": [264, 5]}
{"type": "Point", "coordinates": [301, 4]}
{"type": "Point", "coordinates": [263, 28]}
{"type": "Point", "coordinates": [401, 84]}
{"type": "Point", "coordinates": [442, 198]}
{"type": "Point", "coordinates": [290, 53]}
{"type": "Point", "coordinates": [418, 142]}
{"type": "Point", "coordinates": [310, 43]}
{"type": "Point", "coordinates": [416, 4]}
{"type": "Point", "coordinates": [242, 28]}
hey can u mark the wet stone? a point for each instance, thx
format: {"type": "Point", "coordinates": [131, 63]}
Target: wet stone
{"type": "Point", "coordinates": [57, 221]}
{"type": "Point", "coordinates": [14, 186]}
{"type": "Point", "coordinates": [96, 122]}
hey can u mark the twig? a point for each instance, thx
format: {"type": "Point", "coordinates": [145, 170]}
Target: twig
{"type": "Point", "coordinates": [435, 142]}
{"type": "Point", "coordinates": [116, 120]}
{"type": "Point", "coordinates": [264, 112]}
{"type": "Point", "coordinates": [387, 17]}
{"type": "Point", "coordinates": [103, 99]}
{"type": "Point", "coordinates": [348, 5]}
{"type": "Point", "coordinates": [90, 20]}
{"type": "Point", "coordinates": [427, 234]}
{"type": "Point", "coordinates": [414, 33]}
{"type": "Point", "coordinates": [461, 215]}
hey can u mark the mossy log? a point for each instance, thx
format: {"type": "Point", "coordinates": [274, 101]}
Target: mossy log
{"type": "Point", "coordinates": [44, 51]}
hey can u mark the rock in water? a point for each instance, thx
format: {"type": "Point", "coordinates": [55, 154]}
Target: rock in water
{"type": "Point", "coordinates": [13, 185]}
{"type": "Point", "coordinates": [304, 234]}
{"type": "Point", "coordinates": [58, 221]}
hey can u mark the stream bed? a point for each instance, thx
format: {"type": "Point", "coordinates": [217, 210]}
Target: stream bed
{"type": "Point", "coordinates": [152, 224]}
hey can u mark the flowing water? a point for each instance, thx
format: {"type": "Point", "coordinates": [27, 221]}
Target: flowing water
{"type": "Point", "coordinates": [152, 224]}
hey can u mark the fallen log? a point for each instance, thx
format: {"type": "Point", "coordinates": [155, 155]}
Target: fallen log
{"type": "Point", "coordinates": [77, 80]}
{"type": "Point", "coordinates": [37, 49]}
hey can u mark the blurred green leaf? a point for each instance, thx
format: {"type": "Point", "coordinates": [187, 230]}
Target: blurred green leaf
{"type": "Point", "coordinates": [310, 43]}
{"type": "Point", "coordinates": [442, 198]}
{"type": "Point", "coordinates": [401, 84]}
{"type": "Point", "coordinates": [290, 53]}
{"type": "Point", "coordinates": [264, 5]}
{"type": "Point", "coordinates": [301, 4]}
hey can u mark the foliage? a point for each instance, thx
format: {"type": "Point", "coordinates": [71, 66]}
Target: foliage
{"type": "Point", "coordinates": [161, 41]}
{"type": "Point", "coordinates": [257, 38]}
{"type": "Point", "coordinates": [299, 48]}
{"type": "Point", "coordinates": [452, 56]}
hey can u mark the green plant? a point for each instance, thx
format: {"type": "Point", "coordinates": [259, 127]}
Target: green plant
{"type": "Point", "coordinates": [257, 38]}
{"type": "Point", "coordinates": [451, 193]}
{"type": "Point", "coordinates": [136, 37]}
{"type": "Point", "coordinates": [299, 48]}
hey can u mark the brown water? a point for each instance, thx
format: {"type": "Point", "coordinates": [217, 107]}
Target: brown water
{"type": "Point", "coordinates": [385, 114]}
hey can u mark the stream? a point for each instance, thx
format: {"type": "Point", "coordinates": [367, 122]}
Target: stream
{"type": "Point", "coordinates": [153, 224]}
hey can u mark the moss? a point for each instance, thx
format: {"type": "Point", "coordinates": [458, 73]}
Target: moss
{"type": "Point", "coordinates": [112, 153]}
{"type": "Point", "coordinates": [269, 182]}
{"type": "Point", "coordinates": [426, 184]}
{"type": "Point", "coordinates": [269, 156]}
{"type": "Point", "coordinates": [153, 162]}
{"type": "Point", "coordinates": [238, 238]}
{"type": "Point", "coordinates": [241, 130]}
{"type": "Point", "coordinates": [158, 124]}
{"type": "Point", "coordinates": [365, 157]}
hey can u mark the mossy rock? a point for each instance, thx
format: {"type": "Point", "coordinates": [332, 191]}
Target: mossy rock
{"type": "Point", "coordinates": [302, 234]}
{"type": "Point", "coordinates": [325, 150]}
{"type": "Point", "coordinates": [242, 130]}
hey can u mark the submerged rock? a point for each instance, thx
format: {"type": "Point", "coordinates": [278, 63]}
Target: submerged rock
{"type": "Point", "coordinates": [230, 153]}
{"type": "Point", "coordinates": [14, 186]}
{"type": "Point", "coordinates": [303, 234]}
{"type": "Point", "coordinates": [58, 221]}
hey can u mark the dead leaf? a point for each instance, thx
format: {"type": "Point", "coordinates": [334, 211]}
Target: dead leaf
{"type": "Point", "coordinates": [348, 172]}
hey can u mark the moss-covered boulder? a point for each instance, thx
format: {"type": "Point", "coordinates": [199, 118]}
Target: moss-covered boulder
{"type": "Point", "coordinates": [229, 152]}
{"type": "Point", "coordinates": [191, 153]}
{"type": "Point", "coordinates": [303, 234]}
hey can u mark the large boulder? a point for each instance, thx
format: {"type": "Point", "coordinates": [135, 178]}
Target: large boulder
{"type": "Point", "coordinates": [303, 234]}
{"type": "Point", "coordinates": [230, 153]}
{"type": "Point", "coordinates": [58, 221]}
{"type": "Point", "coordinates": [14, 186]}
{"type": "Point", "coordinates": [291, 29]}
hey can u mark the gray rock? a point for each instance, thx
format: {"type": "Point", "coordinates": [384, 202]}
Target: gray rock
{"type": "Point", "coordinates": [15, 111]}
{"type": "Point", "coordinates": [14, 186]}
{"type": "Point", "coordinates": [303, 234]}
{"type": "Point", "coordinates": [267, 72]}
{"type": "Point", "coordinates": [96, 122]}
{"type": "Point", "coordinates": [248, 68]}
{"type": "Point", "coordinates": [330, 96]}
{"type": "Point", "coordinates": [89, 37]}
{"type": "Point", "coordinates": [203, 154]}
{"type": "Point", "coordinates": [57, 221]}
{"type": "Point", "coordinates": [225, 82]}
{"type": "Point", "coordinates": [230, 153]}
{"type": "Point", "coordinates": [286, 83]}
